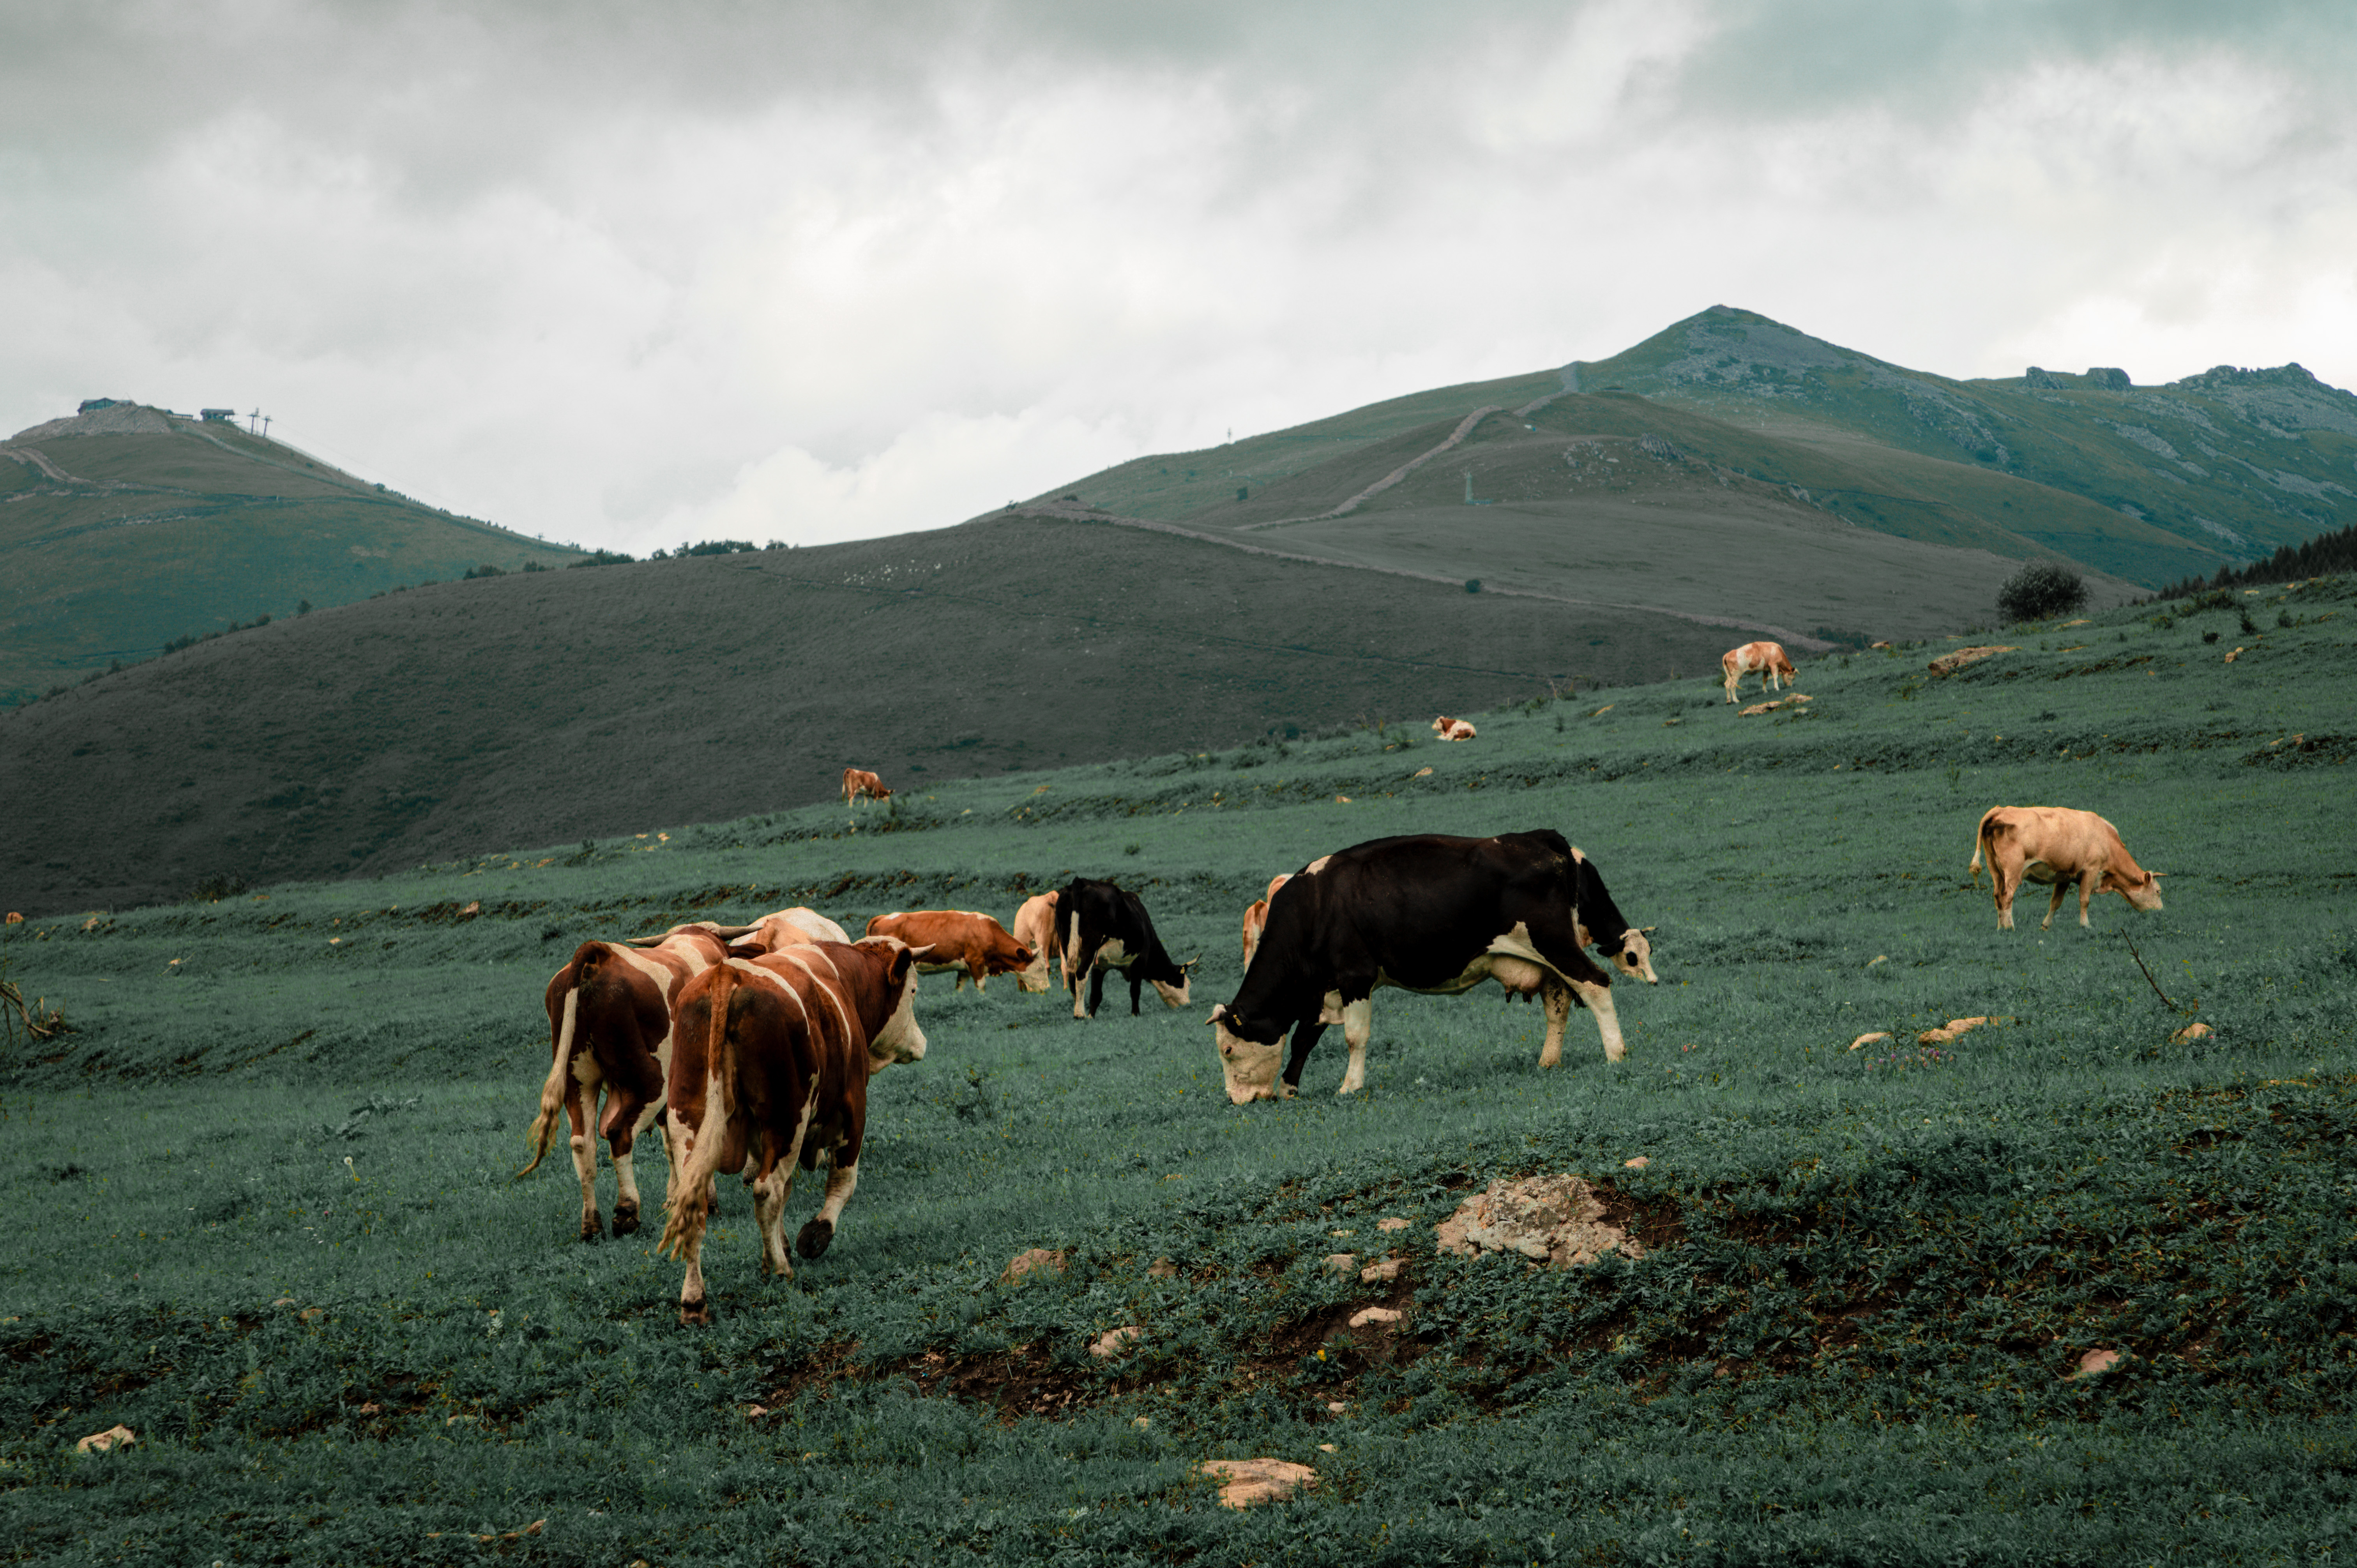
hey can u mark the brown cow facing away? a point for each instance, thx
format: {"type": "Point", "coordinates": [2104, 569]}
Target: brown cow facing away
{"type": "Point", "coordinates": [1766, 659]}
{"type": "Point", "coordinates": [1035, 927]}
{"type": "Point", "coordinates": [2057, 846]}
{"type": "Point", "coordinates": [858, 781]}
{"type": "Point", "coordinates": [770, 1073]}
{"type": "Point", "coordinates": [610, 1027]}
{"type": "Point", "coordinates": [972, 946]}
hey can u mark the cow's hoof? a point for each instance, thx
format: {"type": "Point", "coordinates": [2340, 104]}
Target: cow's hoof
{"type": "Point", "coordinates": [593, 1228]}
{"type": "Point", "coordinates": [695, 1314]}
{"type": "Point", "coordinates": [626, 1219]}
{"type": "Point", "coordinates": [815, 1238]}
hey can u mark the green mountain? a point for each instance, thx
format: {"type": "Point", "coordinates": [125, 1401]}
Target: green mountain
{"type": "Point", "coordinates": [125, 527]}
{"type": "Point", "coordinates": [1734, 464]}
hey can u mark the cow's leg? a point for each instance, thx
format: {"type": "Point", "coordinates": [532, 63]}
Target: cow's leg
{"type": "Point", "coordinates": [2089, 880]}
{"type": "Point", "coordinates": [2004, 882]}
{"type": "Point", "coordinates": [1358, 1022]}
{"type": "Point", "coordinates": [632, 1107]}
{"type": "Point", "coordinates": [769, 1191]}
{"type": "Point", "coordinates": [580, 1107]}
{"type": "Point", "coordinates": [1599, 1001]}
{"type": "Point", "coordinates": [1096, 989]}
{"type": "Point", "coordinates": [1077, 974]}
{"type": "Point", "coordinates": [1556, 997]}
{"type": "Point", "coordinates": [1305, 1035]}
{"type": "Point", "coordinates": [1135, 981]}
{"type": "Point", "coordinates": [840, 1179]}
{"type": "Point", "coordinates": [2062, 891]}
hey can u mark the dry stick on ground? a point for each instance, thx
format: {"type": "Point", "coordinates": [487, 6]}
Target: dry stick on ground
{"type": "Point", "coordinates": [38, 1024]}
{"type": "Point", "coordinates": [2157, 991]}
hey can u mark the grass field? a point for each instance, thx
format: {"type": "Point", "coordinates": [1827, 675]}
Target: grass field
{"type": "Point", "coordinates": [268, 1220]}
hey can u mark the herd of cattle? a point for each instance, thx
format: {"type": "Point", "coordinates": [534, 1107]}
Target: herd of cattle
{"type": "Point", "coordinates": [750, 1047]}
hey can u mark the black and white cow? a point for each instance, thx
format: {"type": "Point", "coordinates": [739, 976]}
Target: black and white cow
{"type": "Point", "coordinates": [1105, 928]}
{"type": "Point", "coordinates": [1427, 913]}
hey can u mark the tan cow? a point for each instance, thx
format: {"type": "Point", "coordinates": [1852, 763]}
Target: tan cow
{"type": "Point", "coordinates": [1765, 658]}
{"type": "Point", "coordinates": [1035, 927]}
{"type": "Point", "coordinates": [609, 1026]}
{"type": "Point", "coordinates": [771, 1072]}
{"type": "Point", "coordinates": [1256, 917]}
{"type": "Point", "coordinates": [2057, 846]}
{"type": "Point", "coordinates": [975, 946]}
{"type": "Point", "coordinates": [1448, 728]}
{"type": "Point", "coordinates": [858, 781]}
{"type": "Point", "coordinates": [784, 929]}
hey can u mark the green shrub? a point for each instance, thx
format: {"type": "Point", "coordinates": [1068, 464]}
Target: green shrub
{"type": "Point", "coordinates": [2041, 591]}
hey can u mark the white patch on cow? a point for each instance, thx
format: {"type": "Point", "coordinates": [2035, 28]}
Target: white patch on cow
{"type": "Point", "coordinates": [1358, 1024]}
{"type": "Point", "coordinates": [1175, 995]}
{"type": "Point", "coordinates": [1114, 955]}
{"type": "Point", "coordinates": [1247, 1069]}
{"type": "Point", "coordinates": [1636, 957]}
{"type": "Point", "coordinates": [1315, 867]}
{"type": "Point", "coordinates": [1608, 1023]}
{"type": "Point", "coordinates": [1330, 1006]}
{"type": "Point", "coordinates": [626, 1181]}
{"type": "Point", "coordinates": [900, 1040]}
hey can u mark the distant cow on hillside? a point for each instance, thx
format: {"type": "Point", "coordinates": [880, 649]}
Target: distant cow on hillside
{"type": "Point", "coordinates": [1448, 728]}
{"type": "Point", "coordinates": [858, 781]}
{"type": "Point", "coordinates": [2056, 845]}
{"type": "Point", "coordinates": [1767, 659]}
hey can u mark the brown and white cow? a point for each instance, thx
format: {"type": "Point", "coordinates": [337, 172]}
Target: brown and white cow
{"type": "Point", "coordinates": [975, 946]}
{"type": "Point", "coordinates": [1767, 659]}
{"type": "Point", "coordinates": [858, 781]}
{"type": "Point", "coordinates": [1256, 917]}
{"type": "Point", "coordinates": [783, 928]}
{"type": "Point", "coordinates": [771, 1072]}
{"type": "Point", "coordinates": [1035, 927]}
{"type": "Point", "coordinates": [2057, 846]}
{"type": "Point", "coordinates": [1448, 728]}
{"type": "Point", "coordinates": [609, 1024]}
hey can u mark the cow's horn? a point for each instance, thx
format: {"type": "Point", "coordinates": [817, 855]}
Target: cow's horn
{"type": "Point", "coordinates": [654, 941]}
{"type": "Point", "coordinates": [730, 934]}
{"type": "Point", "coordinates": [1192, 961]}
{"type": "Point", "coordinates": [1647, 930]}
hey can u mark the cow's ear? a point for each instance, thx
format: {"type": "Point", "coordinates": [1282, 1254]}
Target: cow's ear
{"type": "Point", "coordinates": [1219, 1012]}
{"type": "Point", "coordinates": [903, 961]}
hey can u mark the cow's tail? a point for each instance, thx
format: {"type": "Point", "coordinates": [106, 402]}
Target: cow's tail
{"type": "Point", "coordinates": [685, 1205]}
{"type": "Point", "coordinates": [1980, 842]}
{"type": "Point", "coordinates": [543, 1130]}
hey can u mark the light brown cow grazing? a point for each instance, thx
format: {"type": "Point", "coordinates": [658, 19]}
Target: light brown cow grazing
{"type": "Point", "coordinates": [1256, 917]}
{"type": "Point", "coordinates": [1448, 728]}
{"type": "Point", "coordinates": [771, 1072]}
{"type": "Point", "coordinates": [2059, 846]}
{"type": "Point", "coordinates": [609, 1024]}
{"type": "Point", "coordinates": [783, 928]}
{"type": "Point", "coordinates": [1035, 927]}
{"type": "Point", "coordinates": [1766, 657]}
{"type": "Point", "coordinates": [858, 781]}
{"type": "Point", "coordinates": [975, 946]}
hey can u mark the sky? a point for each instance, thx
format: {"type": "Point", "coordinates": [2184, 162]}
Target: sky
{"type": "Point", "coordinates": [626, 275]}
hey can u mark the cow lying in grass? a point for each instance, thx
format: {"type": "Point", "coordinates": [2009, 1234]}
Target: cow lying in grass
{"type": "Point", "coordinates": [1427, 913]}
{"type": "Point", "coordinates": [2056, 845]}
{"type": "Point", "coordinates": [771, 1071]}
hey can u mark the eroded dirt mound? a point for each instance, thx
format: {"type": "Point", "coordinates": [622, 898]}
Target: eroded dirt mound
{"type": "Point", "coordinates": [1552, 1219]}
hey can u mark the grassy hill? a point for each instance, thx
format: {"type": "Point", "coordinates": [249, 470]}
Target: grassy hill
{"type": "Point", "coordinates": [2146, 484]}
{"type": "Point", "coordinates": [128, 527]}
{"type": "Point", "coordinates": [590, 702]}
{"type": "Point", "coordinates": [266, 1220]}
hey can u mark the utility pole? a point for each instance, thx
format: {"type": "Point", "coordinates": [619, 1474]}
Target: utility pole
{"type": "Point", "coordinates": [251, 422]}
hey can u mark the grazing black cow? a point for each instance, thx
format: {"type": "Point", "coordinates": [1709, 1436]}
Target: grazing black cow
{"type": "Point", "coordinates": [1427, 913]}
{"type": "Point", "coordinates": [1105, 928]}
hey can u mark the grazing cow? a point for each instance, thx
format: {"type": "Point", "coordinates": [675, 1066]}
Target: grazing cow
{"type": "Point", "coordinates": [1105, 928]}
{"type": "Point", "coordinates": [1256, 917]}
{"type": "Point", "coordinates": [1035, 927]}
{"type": "Point", "coordinates": [1448, 728]}
{"type": "Point", "coordinates": [609, 1022]}
{"type": "Point", "coordinates": [858, 781]}
{"type": "Point", "coordinates": [975, 946]}
{"type": "Point", "coordinates": [1428, 913]}
{"type": "Point", "coordinates": [1766, 657]}
{"type": "Point", "coordinates": [785, 927]}
{"type": "Point", "coordinates": [771, 1071]}
{"type": "Point", "coordinates": [2059, 846]}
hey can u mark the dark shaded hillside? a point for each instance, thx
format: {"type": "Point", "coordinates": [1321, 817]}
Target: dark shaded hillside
{"type": "Point", "coordinates": [125, 528]}
{"type": "Point", "coordinates": [538, 709]}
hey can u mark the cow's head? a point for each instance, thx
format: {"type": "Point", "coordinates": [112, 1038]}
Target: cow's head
{"type": "Point", "coordinates": [2143, 892]}
{"type": "Point", "coordinates": [900, 1040]}
{"type": "Point", "coordinates": [1635, 958]}
{"type": "Point", "coordinates": [1247, 1067]}
{"type": "Point", "coordinates": [1176, 996]}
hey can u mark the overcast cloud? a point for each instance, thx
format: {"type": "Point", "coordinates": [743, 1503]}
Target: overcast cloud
{"type": "Point", "coordinates": [625, 274]}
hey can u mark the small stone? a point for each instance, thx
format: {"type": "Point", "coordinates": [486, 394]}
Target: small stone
{"type": "Point", "coordinates": [756, 1411]}
{"type": "Point", "coordinates": [312, 1313]}
{"type": "Point", "coordinates": [1383, 1315]}
{"type": "Point", "coordinates": [1638, 1163]}
{"type": "Point", "coordinates": [1872, 1039]}
{"type": "Point", "coordinates": [2197, 1030]}
{"type": "Point", "coordinates": [1421, 773]}
{"type": "Point", "coordinates": [1036, 1258]}
{"type": "Point", "coordinates": [1392, 1222]}
{"type": "Point", "coordinates": [284, 1301]}
{"type": "Point", "coordinates": [1342, 1263]}
{"type": "Point", "coordinates": [370, 1408]}
{"type": "Point", "coordinates": [1162, 1269]}
{"type": "Point", "coordinates": [1336, 1407]}
{"type": "Point", "coordinates": [1381, 1273]}
{"type": "Point", "coordinates": [1247, 1481]}
{"type": "Point", "coordinates": [2094, 1363]}
{"type": "Point", "coordinates": [117, 1436]}
{"type": "Point", "coordinates": [1142, 1423]}
{"type": "Point", "coordinates": [1327, 1448]}
{"type": "Point", "coordinates": [1110, 1343]}
{"type": "Point", "coordinates": [1878, 958]}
